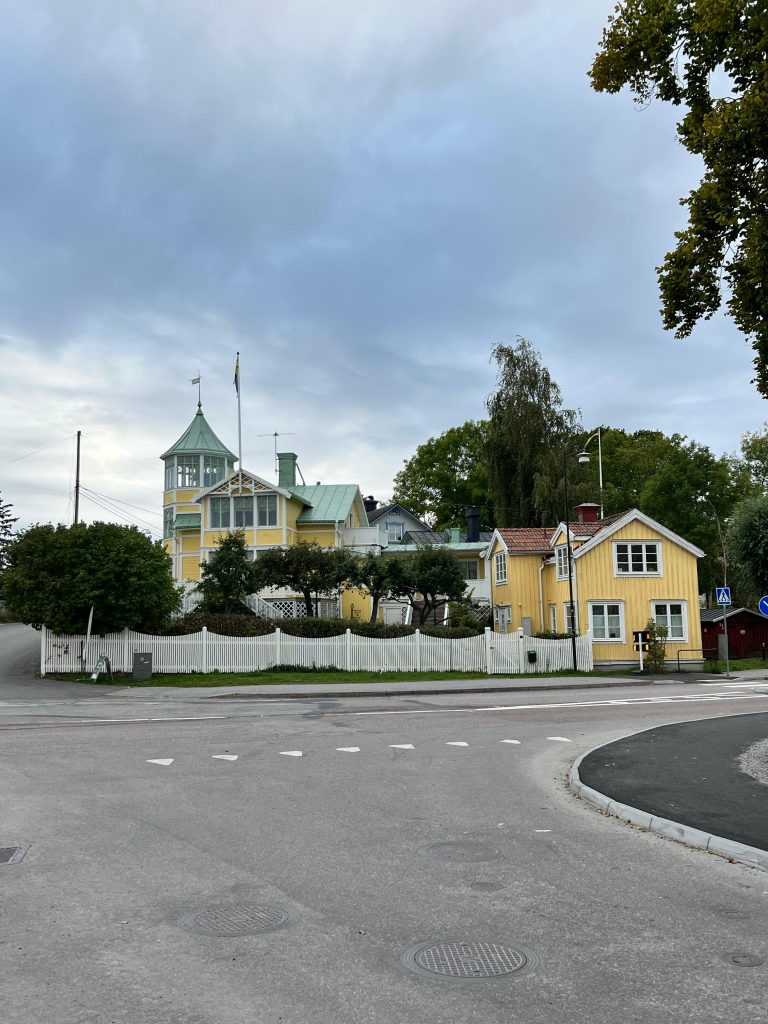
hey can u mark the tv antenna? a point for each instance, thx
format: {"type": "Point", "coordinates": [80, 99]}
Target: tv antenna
{"type": "Point", "coordinates": [275, 434]}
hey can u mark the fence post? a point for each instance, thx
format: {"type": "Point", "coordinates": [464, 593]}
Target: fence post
{"type": "Point", "coordinates": [488, 649]}
{"type": "Point", "coordinates": [126, 655]}
{"type": "Point", "coordinates": [204, 649]}
{"type": "Point", "coordinates": [278, 634]}
{"type": "Point", "coordinates": [417, 640]}
{"type": "Point", "coordinates": [43, 641]}
{"type": "Point", "coordinates": [348, 650]}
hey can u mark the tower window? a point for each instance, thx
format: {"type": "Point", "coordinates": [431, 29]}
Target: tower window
{"type": "Point", "coordinates": [170, 474]}
{"type": "Point", "coordinates": [213, 470]}
{"type": "Point", "coordinates": [187, 470]}
{"type": "Point", "coordinates": [167, 522]}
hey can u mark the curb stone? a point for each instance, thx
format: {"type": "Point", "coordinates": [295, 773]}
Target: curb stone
{"type": "Point", "coordinates": [749, 855]}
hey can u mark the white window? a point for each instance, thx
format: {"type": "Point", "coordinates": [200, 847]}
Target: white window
{"type": "Point", "coordinates": [674, 616]}
{"type": "Point", "coordinates": [266, 510]}
{"type": "Point", "coordinates": [213, 469]}
{"type": "Point", "coordinates": [500, 561]}
{"type": "Point", "coordinates": [395, 532]}
{"type": "Point", "coordinates": [468, 568]}
{"type": "Point", "coordinates": [637, 558]}
{"type": "Point", "coordinates": [170, 474]}
{"type": "Point", "coordinates": [606, 620]}
{"type": "Point", "coordinates": [167, 522]}
{"type": "Point", "coordinates": [570, 623]}
{"type": "Point", "coordinates": [219, 513]}
{"type": "Point", "coordinates": [243, 512]}
{"type": "Point", "coordinates": [561, 554]}
{"type": "Point", "coordinates": [187, 470]}
{"type": "Point", "coordinates": [553, 618]}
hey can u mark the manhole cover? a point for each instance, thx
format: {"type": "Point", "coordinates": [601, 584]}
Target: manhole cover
{"type": "Point", "coordinates": [236, 919]}
{"type": "Point", "coordinates": [744, 959]}
{"type": "Point", "coordinates": [466, 960]}
{"type": "Point", "coordinates": [12, 854]}
{"type": "Point", "coordinates": [462, 852]}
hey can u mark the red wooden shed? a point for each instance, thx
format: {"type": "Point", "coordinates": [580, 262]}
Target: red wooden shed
{"type": "Point", "coordinates": [747, 631]}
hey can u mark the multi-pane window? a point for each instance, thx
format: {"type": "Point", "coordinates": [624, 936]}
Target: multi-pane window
{"type": "Point", "coordinates": [468, 569]}
{"type": "Point", "coordinates": [187, 470]}
{"type": "Point", "coordinates": [266, 510]}
{"type": "Point", "coordinates": [637, 559]}
{"type": "Point", "coordinates": [553, 617]}
{"type": "Point", "coordinates": [500, 561]}
{"type": "Point", "coordinates": [167, 522]}
{"type": "Point", "coordinates": [243, 511]}
{"type": "Point", "coordinates": [607, 621]}
{"type": "Point", "coordinates": [219, 513]}
{"type": "Point", "coordinates": [561, 554]}
{"type": "Point", "coordinates": [571, 620]}
{"type": "Point", "coordinates": [671, 615]}
{"type": "Point", "coordinates": [170, 474]}
{"type": "Point", "coordinates": [395, 532]}
{"type": "Point", "coordinates": [213, 469]}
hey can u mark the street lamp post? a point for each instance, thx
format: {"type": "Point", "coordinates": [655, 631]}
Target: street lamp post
{"type": "Point", "coordinates": [582, 457]}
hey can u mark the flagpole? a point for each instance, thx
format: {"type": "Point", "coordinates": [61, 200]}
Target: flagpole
{"type": "Point", "coordinates": [239, 425]}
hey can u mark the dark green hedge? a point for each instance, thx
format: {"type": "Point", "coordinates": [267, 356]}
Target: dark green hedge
{"type": "Point", "coordinates": [252, 625]}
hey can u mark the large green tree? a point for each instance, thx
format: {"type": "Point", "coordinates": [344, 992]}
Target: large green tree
{"type": "Point", "coordinates": [754, 456]}
{"type": "Point", "coordinates": [378, 575]}
{"type": "Point", "coordinates": [528, 431]}
{"type": "Point", "coordinates": [708, 57]}
{"type": "Point", "coordinates": [311, 570]}
{"type": "Point", "coordinates": [56, 574]}
{"type": "Point", "coordinates": [447, 474]}
{"type": "Point", "coordinates": [428, 579]}
{"type": "Point", "coordinates": [6, 528]}
{"type": "Point", "coordinates": [748, 544]}
{"type": "Point", "coordinates": [228, 577]}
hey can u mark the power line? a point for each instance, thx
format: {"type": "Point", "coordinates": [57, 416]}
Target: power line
{"type": "Point", "coordinates": [119, 501]}
{"type": "Point", "coordinates": [27, 455]}
{"type": "Point", "coordinates": [114, 511]}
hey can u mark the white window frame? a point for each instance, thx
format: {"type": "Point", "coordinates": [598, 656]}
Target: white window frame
{"type": "Point", "coordinates": [187, 471]}
{"type": "Point", "coordinates": [684, 606]}
{"type": "Point", "coordinates": [628, 544]}
{"type": "Point", "coordinates": [214, 469]}
{"type": "Point", "coordinates": [566, 617]}
{"type": "Point", "coordinates": [168, 517]}
{"type": "Point", "coordinates": [621, 638]}
{"type": "Point", "coordinates": [500, 567]}
{"type": "Point", "coordinates": [561, 560]}
{"type": "Point", "coordinates": [242, 498]}
{"type": "Point", "coordinates": [503, 613]}
{"type": "Point", "coordinates": [170, 474]}
{"type": "Point", "coordinates": [270, 503]}
{"type": "Point", "coordinates": [224, 505]}
{"type": "Point", "coordinates": [395, 531]}
{"type": "Point", "coordinates": [553, 618]}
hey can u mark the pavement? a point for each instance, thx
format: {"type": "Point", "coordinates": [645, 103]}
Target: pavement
{"type": "Point", "coordinates": [688, 774]}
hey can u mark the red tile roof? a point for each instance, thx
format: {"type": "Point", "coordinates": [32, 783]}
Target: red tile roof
{"type": "Point", "coordinates": [536, 538]}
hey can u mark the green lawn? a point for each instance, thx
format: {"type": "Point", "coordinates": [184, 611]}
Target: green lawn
{"type": "Point", "coordinates": [280, 678]}
{"type": "Point", "coordinates": [742, 665]}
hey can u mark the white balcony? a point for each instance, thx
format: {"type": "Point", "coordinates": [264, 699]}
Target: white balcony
{"type": "Point", "coordinates": [479, 590]}
{"type": "Point", "coordinates": [365, 538]}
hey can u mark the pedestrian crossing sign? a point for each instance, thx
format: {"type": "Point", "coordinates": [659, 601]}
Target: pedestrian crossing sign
{"type": "Point", "coordinates": [723, 595]}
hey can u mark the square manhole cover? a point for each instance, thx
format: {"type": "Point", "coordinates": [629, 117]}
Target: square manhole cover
{"type": "Point", "coordinates": [12, 854]}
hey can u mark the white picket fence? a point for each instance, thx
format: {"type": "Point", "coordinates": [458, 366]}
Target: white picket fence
{"type": "Point", "coordinates": [495, 653]}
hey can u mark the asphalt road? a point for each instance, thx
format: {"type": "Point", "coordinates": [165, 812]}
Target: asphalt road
{"type": "Point", "coordinates": [329, 813]}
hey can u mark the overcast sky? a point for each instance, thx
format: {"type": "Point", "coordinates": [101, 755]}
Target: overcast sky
{"type": "Point", "coordinates": [362, 196]}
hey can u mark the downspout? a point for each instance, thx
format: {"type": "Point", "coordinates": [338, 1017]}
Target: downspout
{"type": "Point", "coordinates": [541, 598]}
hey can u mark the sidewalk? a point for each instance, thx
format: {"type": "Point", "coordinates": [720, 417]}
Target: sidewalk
{"type": "Point", "coordinates": [683, 781]}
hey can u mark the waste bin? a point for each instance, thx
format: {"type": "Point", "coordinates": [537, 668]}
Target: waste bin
{"type": "Point", "coordinates": [531, 657]}
{"type": "Point", "coordinates": [142, 666]}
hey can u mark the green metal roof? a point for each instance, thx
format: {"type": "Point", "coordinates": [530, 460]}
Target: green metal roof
{"type": "Point", "coordinates": [330, 503]}
{"type": "Point", "coordinates": [198, 439]}
{"type": "Point", "coordinates": [187, 521]}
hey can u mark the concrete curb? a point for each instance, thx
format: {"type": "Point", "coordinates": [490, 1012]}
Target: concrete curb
{"type": "Point", "coordinates": [749, 855]}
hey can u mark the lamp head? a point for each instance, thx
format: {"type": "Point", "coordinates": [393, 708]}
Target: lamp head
{"type": "Point", "coordinates": [583, 458]}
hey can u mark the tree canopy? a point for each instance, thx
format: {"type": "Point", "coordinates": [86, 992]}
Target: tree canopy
{"type": "Point", "coordinates": [311, 570]}
{"type": "Point", "coordinates": [428, 579]}
{"type": "Point", "coordinates": [748, 544]}
{"type": "Point", "coordinates": [56, 574]}
{"type": "Point", "coordinates": [709, 57]}
{"type": "Point", "coordinates": [527, 432]}
{"type": "Point", "coordinates": [376, 574]}
{"type": "Point", "coordinates": [6, 527]}
{"type": "Point", "coordinates": [228, 577]}
{"type": "Point", "coordinates": [447, 474]}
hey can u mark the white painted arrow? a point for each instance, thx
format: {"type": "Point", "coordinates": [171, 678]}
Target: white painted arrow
{"type": "Point", "coordinates": [456, 743]}
{"type": "Point", "coordinates": [559, 739]}
{"type": "Point", "coordinates": [161, 760]}
{"type": "Point", "coordinates": [293, 753]}
{"type": "Point", "coordinates": [225, 757]}
{"type": "Point", "coordinates": [511, 741]}
{"type": "Point", "coordinates": [402, 746]}
{"type": "Point", "coordinates": [349, 750]}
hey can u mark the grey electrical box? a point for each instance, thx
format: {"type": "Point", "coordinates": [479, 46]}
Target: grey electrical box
{"type": "Point", "coordinates": [142, 666]}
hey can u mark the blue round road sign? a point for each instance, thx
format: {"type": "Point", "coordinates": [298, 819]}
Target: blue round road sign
{"type": "Point", "coordinates": [763, 605]}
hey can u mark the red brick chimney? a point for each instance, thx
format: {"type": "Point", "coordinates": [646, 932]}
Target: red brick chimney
{"type": "Point", "coordinates": [587, 512]}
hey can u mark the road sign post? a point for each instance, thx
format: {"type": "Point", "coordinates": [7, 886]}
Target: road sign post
{"type": "Point", "coordinates": [724, 600]}
{"type": "Point", "coordinates": [640, 644]}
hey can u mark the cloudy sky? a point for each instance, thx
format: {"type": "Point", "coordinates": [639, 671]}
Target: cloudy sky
{"type": "Point", "coordinates": [359, 195]}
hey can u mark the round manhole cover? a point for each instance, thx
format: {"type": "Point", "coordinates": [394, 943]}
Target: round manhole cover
{"type": "Point", "coordinates": [463, 961]}
{"type": "Point", "coordinates": [236, 919]}
{"type": "Point", "coordinates": [744, 959]}
{"type": "Point", "coordinates": [462, 852]}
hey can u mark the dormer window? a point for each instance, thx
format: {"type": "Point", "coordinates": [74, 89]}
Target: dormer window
{"type": "Point", "coordinates": [561, 554]}
{"type": "Point", "coordinates": [395, 532]}
{"type": "Point", "coordinates": [637, 559]}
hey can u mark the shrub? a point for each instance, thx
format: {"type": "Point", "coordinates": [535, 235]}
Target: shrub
{"type": "Point", "coordinates": [218, 622]}
{"type": "Point", "coordinates": [471, 613]}
{"type": "Point", "coordinates": [549, 634]}
{"type": "Point", "coordinates": [451, 632]}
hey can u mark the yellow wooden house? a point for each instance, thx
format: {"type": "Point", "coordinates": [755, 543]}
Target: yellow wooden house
{"type": "Point", "coordinates": [205, 496]}
{"type": "Point", "coordinates": [626, 570]}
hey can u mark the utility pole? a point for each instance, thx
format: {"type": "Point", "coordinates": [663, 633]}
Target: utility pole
{"type": "Point", "coordinates": [77, 481]}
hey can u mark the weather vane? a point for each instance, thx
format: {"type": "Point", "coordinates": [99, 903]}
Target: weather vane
{"type": "Point", "coordinates": [196, 380]}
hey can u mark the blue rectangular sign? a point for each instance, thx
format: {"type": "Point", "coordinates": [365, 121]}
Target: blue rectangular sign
{"type": "Point", "coordinates": [723, 595]}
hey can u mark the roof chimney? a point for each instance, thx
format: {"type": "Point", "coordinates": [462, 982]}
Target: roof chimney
{"type": "Point", "coordinates": [371, 504]}
{"type": "Point", "coordinates": [587, 512]}
{"type": "Point", "coordinates": [473, 523]}
{"type": "Point", "coordinates": [286, 469]}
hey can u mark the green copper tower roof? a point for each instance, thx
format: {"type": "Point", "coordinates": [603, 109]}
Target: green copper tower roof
{"type": "Point", "coordinates": [199, 439]}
